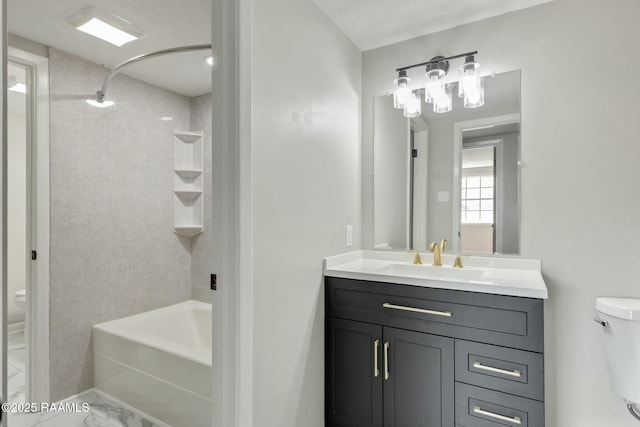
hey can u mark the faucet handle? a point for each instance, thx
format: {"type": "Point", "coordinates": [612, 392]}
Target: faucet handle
{"type": "Point", "coordinates": [416, 259]}
{"type": "Point", "coordinates": [443, 245]}
{"type": "Point", "coordinates": [458, 262]}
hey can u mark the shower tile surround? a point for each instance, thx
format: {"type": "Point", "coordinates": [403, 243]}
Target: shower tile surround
{"type": "Point", "coordinates": [113, 249]}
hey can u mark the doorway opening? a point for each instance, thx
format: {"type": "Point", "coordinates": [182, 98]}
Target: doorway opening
{"type": "Point", "coordinates": [27, 352]}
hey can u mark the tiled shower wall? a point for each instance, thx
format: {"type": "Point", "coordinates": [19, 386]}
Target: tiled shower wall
{"type": "Point", "coordinates": [202, 243]}
{"type": "Point", "coordinates": [113, 249]}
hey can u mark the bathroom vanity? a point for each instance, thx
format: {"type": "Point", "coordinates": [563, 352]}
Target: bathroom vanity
{"type": "Point", "coordinates": [421, 346]}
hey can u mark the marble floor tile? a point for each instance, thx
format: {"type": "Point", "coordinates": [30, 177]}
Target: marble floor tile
{"type": "Point", "coordinates": [15, 339]}
{"type": "Point", "coordinates": [17, 358]}
{"type": "Point", "coordinates": [103, 412]}
{"type": "Point", "coordinates": [16, 381]}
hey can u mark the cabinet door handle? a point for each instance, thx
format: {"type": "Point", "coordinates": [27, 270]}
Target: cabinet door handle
{"type": "Point", "coordinates": [376, 371]}
{"type": "Point", "coordinates": [514, 420]}
{"type": "Point", "coordinates": [417, 310]}
{"type": "Point", "coordinates": [386, 360]}
{"type": "Point", "coordinates": [479, 365]}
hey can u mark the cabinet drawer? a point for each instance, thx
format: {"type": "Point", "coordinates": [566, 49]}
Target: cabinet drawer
{"type": "Point", "coordinates": [479, 407]}
{"type": "Point", "coordinates": [495, 319]}
{"type": "Point", "coordinates": [505, 369]}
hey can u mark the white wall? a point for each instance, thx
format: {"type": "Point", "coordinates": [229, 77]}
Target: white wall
{"type": "Point", "coordinates": [579, 201]}
{"type": "Point", "coordinates": [16, 205]}
{"type": "Point", "coordinates": [305, 189]}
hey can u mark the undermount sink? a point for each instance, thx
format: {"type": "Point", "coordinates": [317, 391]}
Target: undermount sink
{"type": "Point", "coordinates": [431, 272]}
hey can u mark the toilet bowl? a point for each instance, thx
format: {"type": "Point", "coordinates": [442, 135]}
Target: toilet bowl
{"type": "Point", "coordinates": [20, 299]}
{"type": "Point", "coordinates": [620, 320]}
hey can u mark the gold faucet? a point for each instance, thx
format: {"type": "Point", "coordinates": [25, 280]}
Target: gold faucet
{"type": "Point", "coordinates": [437, 261]}
{"type": "Point", "coordinates": [443, 245]}
{"type": "Point", "coordinates": [417, 260]}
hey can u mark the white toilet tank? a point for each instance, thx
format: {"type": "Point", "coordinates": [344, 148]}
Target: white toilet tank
{"type": "Point", "coordinates": [621, 330]}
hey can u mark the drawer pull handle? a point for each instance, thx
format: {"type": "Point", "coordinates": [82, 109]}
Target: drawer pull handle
{"type": "Point", "coordinates": [514, 420]}
{"type": "Point", "coordinates": [386, 360]}
{"type": "Point", "coordinates": [417, 310]}
{"type": "Point", "coordinates": [376, 371]}
{"type": "Point", "coordinates": [479, 365]}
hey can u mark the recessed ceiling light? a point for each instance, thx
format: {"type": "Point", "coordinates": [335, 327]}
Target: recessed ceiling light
{"type": "Point", "coordinates": [209, 59]}
{"type": "Point", "coordinates": [18, 87]}
{"type": "Point", "coordinates": [102, 104]}
{"type": "Point", "coordinates": [105, 26]}
{"type": "Point", "coordinates": [166, 118]}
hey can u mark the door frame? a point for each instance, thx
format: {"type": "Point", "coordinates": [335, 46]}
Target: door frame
{"type": "Point", "coordinates": [37, 323]}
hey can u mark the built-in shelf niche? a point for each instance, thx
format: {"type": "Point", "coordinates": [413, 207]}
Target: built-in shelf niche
{"type": "Point", "coordinates": [188, 209]}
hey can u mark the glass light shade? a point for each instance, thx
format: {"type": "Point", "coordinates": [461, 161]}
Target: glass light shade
{"type": "Point", "coordinates": [413, 107]}
{"type": "Point", "coordinates": [444, 102]}
{"type": "Point", "coordinates": [435, 86]}
{"type": "Point", "coordinates": [471, 85]}
{"type": "Point", "coordinates": [402, 93]}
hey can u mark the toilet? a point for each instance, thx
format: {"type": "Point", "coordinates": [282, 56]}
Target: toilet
{"type": "Point", "coordinates": [620, 322]}
{"type": "Point", "coordinates": [20, 299]}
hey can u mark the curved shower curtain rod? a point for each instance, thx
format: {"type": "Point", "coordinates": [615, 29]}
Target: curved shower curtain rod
{"type": "Point", "coordinates": [102, 92]}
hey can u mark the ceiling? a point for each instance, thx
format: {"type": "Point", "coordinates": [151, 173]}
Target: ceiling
{"type": "Point", "coordinates": [165, 23]}
{"type": "Point", "coordinates": [373, 23]}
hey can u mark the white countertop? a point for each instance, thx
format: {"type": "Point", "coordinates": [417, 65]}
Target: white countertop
{"type": "Point", "coordinates": [492, 275]}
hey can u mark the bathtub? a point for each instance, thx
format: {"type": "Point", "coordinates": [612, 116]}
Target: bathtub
{"type": "Point", "coordinates": [159, 362]}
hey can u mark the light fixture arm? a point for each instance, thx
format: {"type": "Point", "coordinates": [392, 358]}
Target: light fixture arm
{"type": "Point", "coordinates": [100, 95]}
{"type": "Point", "coordinates": [436, 60]}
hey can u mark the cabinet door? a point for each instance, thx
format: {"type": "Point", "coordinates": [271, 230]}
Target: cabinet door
{"type": "Point", "coordinates": [419, 379]}
{"type": "Point", "coordinates": [353, 374]}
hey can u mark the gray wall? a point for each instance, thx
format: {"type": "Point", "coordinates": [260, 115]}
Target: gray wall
{"type": "Point", "coordinates": [577, 184]}
{"type": "Point", "coordinates": [305, 187]}
{"type": "Point", "coordinates": [201, 249]}
{"type": "Point", "coordinates": [113, 250]}
{"type": "Point", "coordinates": [392, 180]}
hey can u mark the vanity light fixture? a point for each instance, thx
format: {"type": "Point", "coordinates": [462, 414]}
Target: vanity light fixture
{"type": "Point", "coordinates": [437, 91]}
{"type": "Point", "coordinates": [402, 91]}
{"type": "Point", "coordinates": [106, 26]}
{"type": "Point", "coordinates": [471, 86]}
{"type": "Point", "coordinates": [413, 106]}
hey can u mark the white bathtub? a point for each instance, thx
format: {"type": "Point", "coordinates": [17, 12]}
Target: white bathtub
{"type": "Point", "coordinates": [159, 362]}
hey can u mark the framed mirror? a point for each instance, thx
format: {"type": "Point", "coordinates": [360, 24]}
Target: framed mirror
{"type": "Point", "coordinates": [453, 175]}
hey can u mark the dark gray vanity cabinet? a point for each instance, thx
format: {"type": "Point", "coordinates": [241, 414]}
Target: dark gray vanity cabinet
{"type": "Point", "coordinates": [371, 367]}
{"type": "Point", "coordinates": [353, 386]}
{"type": "Point", "coordinates": [411, 356]}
